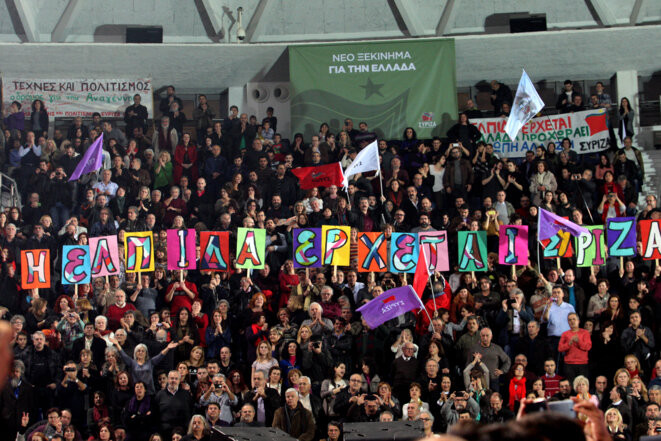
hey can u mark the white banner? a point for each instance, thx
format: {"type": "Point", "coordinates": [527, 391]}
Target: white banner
{"type": "Point", "coordinates": [587, 131]}
{"type": "Point", "coordinates": [77, 97]}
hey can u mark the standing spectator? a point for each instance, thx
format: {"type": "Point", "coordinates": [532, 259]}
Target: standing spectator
{"type": "Point", "coordinates": [135, 115]}
{"type": "Point", "coordinates": [500, 94]}
{"type": "Point", "coordinates": [493, 357]}
{"type": "Point", "coordinates": [173, 404]}
{"type": "Point", "coordinates": [575, 343]}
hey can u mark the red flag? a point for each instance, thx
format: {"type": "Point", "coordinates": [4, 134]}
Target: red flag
{"type": "Point", "coordinates": [320, 176]}
{"type": "Point", "coordinates": [421, 276]}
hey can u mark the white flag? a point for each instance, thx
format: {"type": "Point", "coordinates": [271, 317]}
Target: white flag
{"type": "Point", "coordinates": [527, 104]}
{"type": "Point", "coordinates": [366, 160]}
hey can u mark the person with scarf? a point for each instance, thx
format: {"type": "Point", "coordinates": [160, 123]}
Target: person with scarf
{"type": "Point", "coordinates": [517, 387]}
{"type": "Point", "coordinates": [137, 414]}
{"type": "Point", "coordinates": [98, 415]}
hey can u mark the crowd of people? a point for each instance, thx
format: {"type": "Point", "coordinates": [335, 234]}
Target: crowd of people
{"type": "Point", "coordinates": [169, 355]}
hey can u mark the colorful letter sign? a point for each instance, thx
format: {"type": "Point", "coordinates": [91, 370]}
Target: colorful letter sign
{"type": "Point", "coordinates": [307, 247]}
{"type": "Point", "coordinates": [139, 252]}
{"type": "Point", "coordinates": [250, 248]}
{"type": "Point", "coordinates": [104, 256]}
{"type": "Point", "coordinates": [513, 245]}
{"type": "Point", "coordinates": [335, 245]}
{"type": "Point", "coordinates": [591, 248]}
{"type": "Point", "coordinates": [35, 269]}
{"type": "Point", "coordinates": [472, 250]}
{"type": "Point", "coordinates": [621, 236]}
{"type": "Point", "coordinates": [76, 266]}
{"type": "Point", "coordinates": [435, 246]}
{"type": "Point", "coordinates": [650, 235]}
{"type": "Point", "coordinates": [181, 249]}
{"type": "Point", "coordinates": [403, 252]}
{"type": "Point", "coordinates": [558, 246]}
{"type": "Point", "coordinates": [372, 252]}
{"type": "Point", "coordinates": [214, 250]}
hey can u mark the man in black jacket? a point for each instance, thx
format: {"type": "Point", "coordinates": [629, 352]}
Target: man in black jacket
{"type": "Point", "coordinates": [136, 115]}
{"type": "Point", "coordinates": [90, 341]}
{"type": "Point", "coordinates": [173, 404]}
{"type": "Point", "coordinates": [500, 94]}
{"type": "Point", "coordinates": [265, 400]}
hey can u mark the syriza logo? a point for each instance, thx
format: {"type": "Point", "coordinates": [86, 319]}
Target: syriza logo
{"type": "Point", "coordinates": [427, 121]}
{"type": "Point", "coordinates": [315, 175]}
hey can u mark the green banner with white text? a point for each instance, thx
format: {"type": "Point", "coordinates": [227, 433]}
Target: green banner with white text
{"type": "Point", "coordinates": [389, 85]}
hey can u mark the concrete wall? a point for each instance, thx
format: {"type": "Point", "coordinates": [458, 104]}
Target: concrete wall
{"type": "Point", "coordinates": [596, 53]}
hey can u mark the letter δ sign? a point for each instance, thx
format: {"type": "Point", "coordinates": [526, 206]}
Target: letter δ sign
{"type": "Point", "coordinates": [104, 256]}
{"type": "Point", "coordinates": [513, 245]}
{"type": "Point", "coordinates": [214, 250]}
{"type": "Point", "coordinates": [307, 247]}
{"type": "Point", "coordinates": [250, 248]}
{"type": "Point", "coordinates": [76, 267]}
{"type": "Point", "coordinates": [181, 249]}
{"type": "Point", "coordinates": [35, 269]}
{"type": "Point", "coordinates": [650, 235]}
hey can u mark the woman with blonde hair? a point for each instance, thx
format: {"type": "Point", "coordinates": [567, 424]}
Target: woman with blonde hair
{"type": "Point", "coordinates": [264, 360]}
{"type": "Point", "coordinates": [303, 336]}
{"type": "Point", "coordinates": [639, 391]}
{"type": "Point", "coordinates": [632, 365]}
{"type": "Point", "coordinates": [622, 378]}
{"type": "Point", "coordinates": [582, 387]}
{"type": "Point", "coordinates": [615, 424]}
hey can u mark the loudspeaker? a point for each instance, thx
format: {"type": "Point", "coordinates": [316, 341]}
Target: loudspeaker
{"type": "Point", "coordinates": [249, 434]}
{"type": "Point", "coordinates": [147, 34]}
{"type": "Point", "coordinates": [534, 23]}
{"type": "Point", "coordinates": [390, 431]}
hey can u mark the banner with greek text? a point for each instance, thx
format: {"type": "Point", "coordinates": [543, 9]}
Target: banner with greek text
{"type": "Point", "coordinates": [77, 97]}
{"type": "Point", "coordinates": [587, 131]}
{"type": "Point", "coordinates": [387, 84]}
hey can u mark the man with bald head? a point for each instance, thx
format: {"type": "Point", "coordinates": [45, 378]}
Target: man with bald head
{"type": "Point", "coordinates": [493, 356]}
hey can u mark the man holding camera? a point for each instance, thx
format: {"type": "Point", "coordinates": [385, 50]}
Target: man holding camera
{"type": "Point", "coordinates": [71, 393]}
{"type": "Point", "coordinates": [264, 400]}
{"type": "Point", "coordinates": [220, 393]}
{"type": "Point", "coordinates": [458, 403]}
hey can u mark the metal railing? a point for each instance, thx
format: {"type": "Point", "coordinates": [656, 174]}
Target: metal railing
{"type": "Point", "coordinates": [9, 195]}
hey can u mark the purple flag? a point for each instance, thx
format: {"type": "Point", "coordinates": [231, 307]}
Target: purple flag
{"type": "Point", "coordinates": [549, 224]}
{"type": "Point", "coordinates": [389, 305]}
{"type": "Point", "coordinates": [92, 160]}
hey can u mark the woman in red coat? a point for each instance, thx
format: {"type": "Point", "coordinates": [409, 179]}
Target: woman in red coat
{"type": "Point", "coordinates": [185, 160]}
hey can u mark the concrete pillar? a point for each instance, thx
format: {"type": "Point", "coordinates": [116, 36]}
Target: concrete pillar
{"type": "Point", "coordinates": [235, 97]}
{"type": "Point", "coordinates": [627, 86]}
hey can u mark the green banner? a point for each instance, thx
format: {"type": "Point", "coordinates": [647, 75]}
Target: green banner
{"type": "Point", "coordinates": [389, 85]}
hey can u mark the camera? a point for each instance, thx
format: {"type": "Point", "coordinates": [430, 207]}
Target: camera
{"type": "Point", "coordinates": [511, 302]}
{"type": "Point", "coordinates": [241, 34]}
{"type": "Point", "coordinates": [316, 344]}
{"type": "Point", "coordinates": [217, 383]}
{"type": "Point", "coordinates": [69, 369]}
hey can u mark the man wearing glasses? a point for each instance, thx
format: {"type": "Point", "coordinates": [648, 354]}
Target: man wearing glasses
{"type": "Point", "coordinates": [404, 371]}
{"type": "Point", "coordinates": [349, 395]}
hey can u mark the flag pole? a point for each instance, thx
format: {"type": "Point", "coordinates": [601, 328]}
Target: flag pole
{"type": "Point", "coordinates": [433, 296]}
{"type": "Point", "coordinates": [421, 304]}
